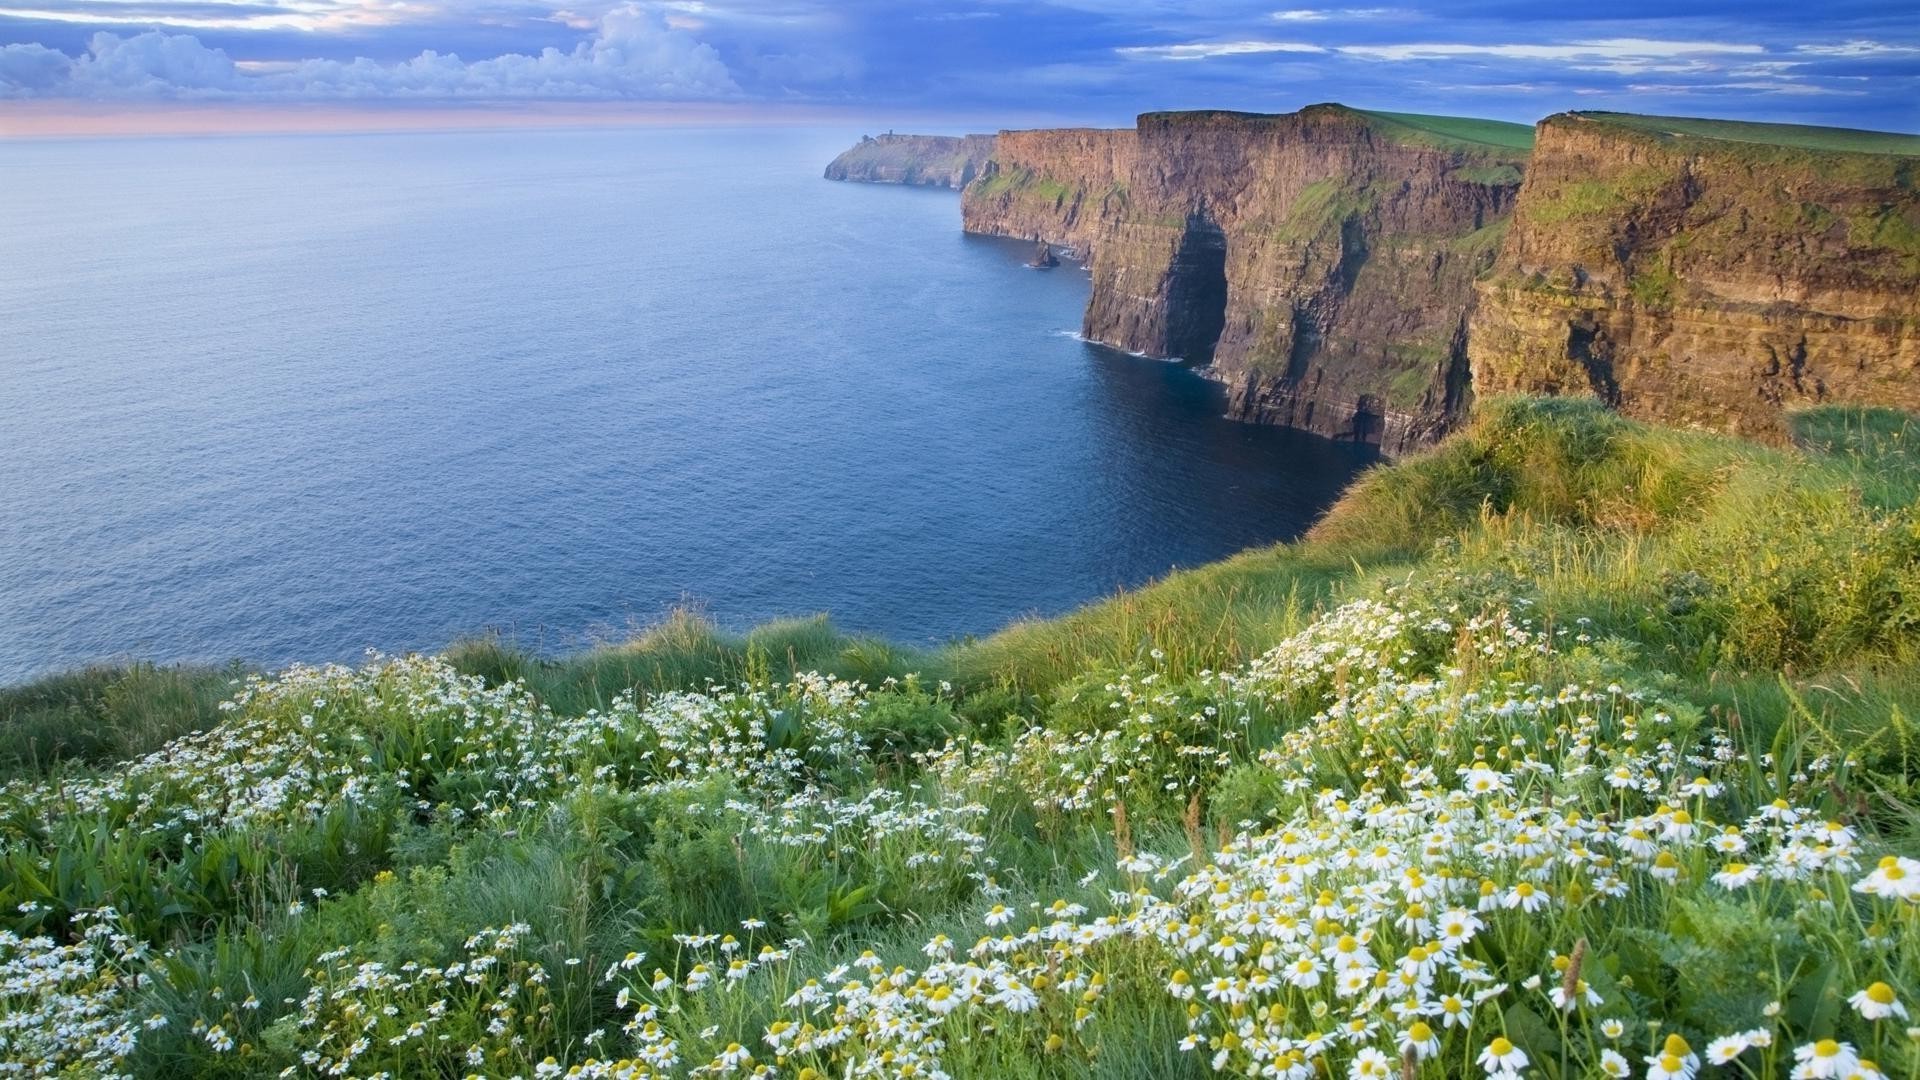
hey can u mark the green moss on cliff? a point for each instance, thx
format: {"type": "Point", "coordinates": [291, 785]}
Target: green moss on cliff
{"type": "Point", "coordinates": [1598, 197]}
{"type": "Point", "coordinates": [1653, 287]}
{"type": "Point", "coordinates": [1021, 183]}
{"type": "Point", "coordinates": [1321, 207]}
{"type": "Point", "coordinates": [1890, 229]}
{"type": "Point", "coordinates": [1415, 369]}
{"type": "Point", "coordinates": [1492, 175]}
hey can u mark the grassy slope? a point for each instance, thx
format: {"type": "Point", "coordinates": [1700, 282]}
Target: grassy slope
{"type": "Point", "coordinates": [1641, 538]}
{"type": "Point", "coordinates": [1466, 129]}
{"type": "Point", "coordinates": [1646, 531]}
{"type": "Point", "coordinates": [1795, 136]}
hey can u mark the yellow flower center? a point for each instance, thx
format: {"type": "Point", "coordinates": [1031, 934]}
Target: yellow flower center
{"type": "Point", "coordinates": [1880, 993]}
{"type": "Point", "coordinates": [1501, 1047]}
{"type": "Point", "coordinates": [1826, 1048]}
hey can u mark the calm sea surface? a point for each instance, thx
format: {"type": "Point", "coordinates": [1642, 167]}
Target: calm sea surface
{"type": "Point", "coordinates": [288, 399]}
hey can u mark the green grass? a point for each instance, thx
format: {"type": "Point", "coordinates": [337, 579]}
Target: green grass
{"type": "Point", "coordinates": [104, 714]}
{"type": "Point", "coordinates": [1795, 136]}
{"type": "Point", "coordinates": [1465, 129]}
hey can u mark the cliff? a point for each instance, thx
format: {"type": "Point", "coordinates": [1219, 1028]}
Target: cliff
{"type": "Point", "coordinates": [1364, 274]}
{"type": "Point", "coordinates": [1708, 273]}
{"type": "Point", "coordinates": [932, 160]}
{"type": "Point", "coordinates": [1319, 263]}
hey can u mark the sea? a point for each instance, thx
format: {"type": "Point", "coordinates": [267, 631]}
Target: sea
{"type": "Point", "coordinates": [288, 399]}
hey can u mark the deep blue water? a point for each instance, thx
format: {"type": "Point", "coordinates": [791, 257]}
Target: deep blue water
{"type": "Point", "coordinates": [290, 398]}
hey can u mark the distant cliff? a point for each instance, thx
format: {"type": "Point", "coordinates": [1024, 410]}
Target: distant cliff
{"type": "Point", "coordinates": [1708, 273]}
{"type": "Point", "coordinates": [1364, 274]}
{"type": "Point", "coordinates": [1319, 263]}
{"type": "Point", "coordinates": [932, 160]}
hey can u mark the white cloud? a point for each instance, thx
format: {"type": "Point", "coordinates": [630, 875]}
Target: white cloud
{"type": "Point", "coordinates": [1628, 56]}
{"type": "Point", "coordinates": [31, 69]}
{"type": "Point", "coordinates": [1857, 47]}
{"type": "Point", "coordinates": [1788, 88]}
{"type": "Point", "coordinates": [1323, 14]}
{"type": "Point", "coordinates": [1620, 48]}
{"type": "Point", "coordinates": [633, 54]}
{"type": "Point", "coordinates": [1203, 50]}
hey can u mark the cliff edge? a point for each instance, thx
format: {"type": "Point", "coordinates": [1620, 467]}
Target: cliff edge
{"type": "Point", "coordinates": [950, 161]}
{"type": "Point", "coordinates": [1708, 273]}
{"type": "Point", "coordinates": [1319, 263]}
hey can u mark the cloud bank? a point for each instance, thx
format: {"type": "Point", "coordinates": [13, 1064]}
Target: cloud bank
{"type": "Point", "coordinates": [633, 54]}
{"type": "Point", "coordinates": [1848, 62]}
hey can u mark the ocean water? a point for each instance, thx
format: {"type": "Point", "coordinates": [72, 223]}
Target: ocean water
{"type": "Point", "coordinates": [292, 398]}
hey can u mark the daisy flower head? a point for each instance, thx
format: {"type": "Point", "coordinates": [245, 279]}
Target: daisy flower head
{"type": "Point", "coordinates": [1877, 1002]}
{"type": "Point", "coordinates": [1826, 1059]}
{"type": "Point", "coordinates": [1502, 1058]}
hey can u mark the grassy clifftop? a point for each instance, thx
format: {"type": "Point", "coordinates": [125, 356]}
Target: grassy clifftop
{"type": "Point", "coordinates": [1569, 740]}
{"type": "Point", "coordinates": [1796, 136]}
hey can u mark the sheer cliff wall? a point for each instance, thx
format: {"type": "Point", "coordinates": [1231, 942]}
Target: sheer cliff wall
{"type": "Point", "coordinates": [1319, 263]}
{"type": "Point", "coordinates": [1713, 282]}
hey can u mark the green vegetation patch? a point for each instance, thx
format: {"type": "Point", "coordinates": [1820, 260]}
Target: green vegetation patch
{"type": "Point", "coordinates": [1497, 175]}
{"type": "Point", "coordinates": [1454, 129]}
{"type": "Point", "coordinates": [1322, 206]}
{"type": "Point", "coordinates": [1021, 183]}
{"type": "Point", "coordinates": [1796, 136]}
{"type": "Point", "coordinates": [1594, 198]}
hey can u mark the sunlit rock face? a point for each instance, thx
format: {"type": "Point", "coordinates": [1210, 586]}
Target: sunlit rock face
{"type": "Point", "coordinates": [1705, 281]}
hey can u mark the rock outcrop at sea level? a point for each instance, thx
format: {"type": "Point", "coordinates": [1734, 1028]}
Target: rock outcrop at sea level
{"type": "Point", "coordinates": [931, 160]}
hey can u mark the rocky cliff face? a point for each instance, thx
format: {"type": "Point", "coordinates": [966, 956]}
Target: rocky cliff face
{"type": "Point", "coordinates": [932, 160]}
{"type": "Point", "coordinates": [1363, 274]}
{"type": "Point", "coordinates": [1704, 280]}
{"type": "Point", "coordinates": [1319, 263]}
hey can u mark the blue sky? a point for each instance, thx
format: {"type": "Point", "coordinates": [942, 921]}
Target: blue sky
{"type": "Point", "coordinates": [990, 61]}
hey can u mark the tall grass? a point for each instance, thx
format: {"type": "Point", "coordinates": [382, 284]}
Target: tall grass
{"type": "Point", "coordinates": [102, 714]}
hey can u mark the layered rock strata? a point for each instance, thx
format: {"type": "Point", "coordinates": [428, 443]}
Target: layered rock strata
{"type": "Point", "coordinates": [1318, 263]}
{"type": "Point", "coordinates": [1706, 281]}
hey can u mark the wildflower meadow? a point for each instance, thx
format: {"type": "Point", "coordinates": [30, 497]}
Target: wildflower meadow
{"type": "Point", "coordinates": [1522, 802]}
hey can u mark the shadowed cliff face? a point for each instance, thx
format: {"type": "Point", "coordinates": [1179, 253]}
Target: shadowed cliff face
{"type": "Point", "coordinates": [1320, 263]}
{"type": "Point", "coordinates": [1705, 281]}
{"type": "Point", "coordinates": [930, 160]}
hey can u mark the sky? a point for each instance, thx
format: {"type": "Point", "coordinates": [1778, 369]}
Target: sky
{"type": "Point", "coordinates": [953, 64]}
